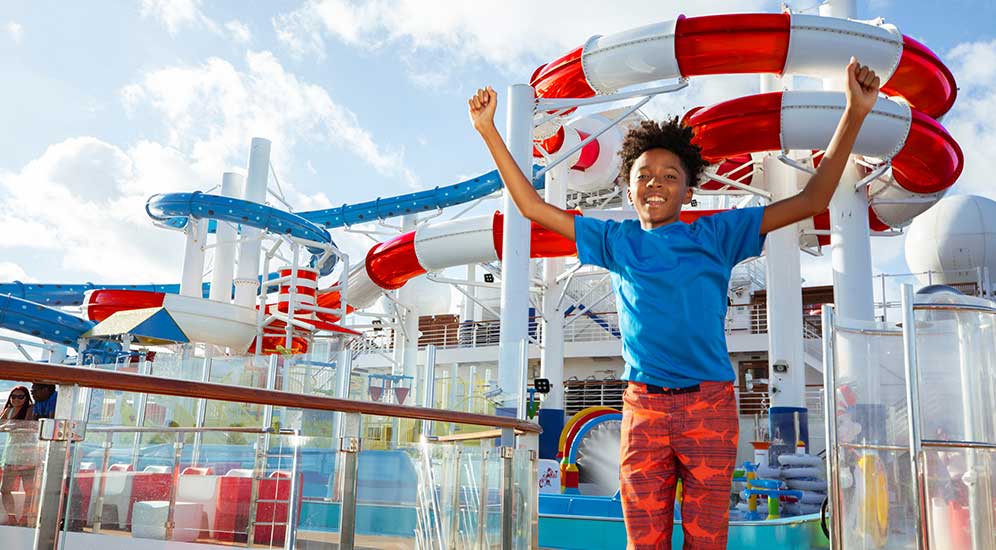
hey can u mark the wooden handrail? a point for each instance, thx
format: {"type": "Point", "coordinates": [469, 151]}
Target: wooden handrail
{"type": "Point", "coordinates": [125, 381]}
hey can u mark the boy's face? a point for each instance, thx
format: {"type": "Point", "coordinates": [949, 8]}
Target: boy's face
{"type": "Point", "coordinates": [658, 186]}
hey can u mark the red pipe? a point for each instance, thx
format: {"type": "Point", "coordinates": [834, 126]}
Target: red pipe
{"type": "Point", "coordinates": [930, 160]}
{"type": "Point", "coordinates": [732, 44]}
{"type": "Point", "coordinates": [391, 263]}
{"type": "Point", "coordinates": [758, 43]}
{"type": "Point", "coordinates": [101, 304]}
{"type": "Point", "coordinates": [921, 78]}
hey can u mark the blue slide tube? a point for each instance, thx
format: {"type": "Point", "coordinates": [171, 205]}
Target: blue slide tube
{"type": "Point", "coordinates": [49, 324]}
{"type": "Point", "coordinates": [411, 203]}
{"type": "Point", "coordinates": [174, 209]}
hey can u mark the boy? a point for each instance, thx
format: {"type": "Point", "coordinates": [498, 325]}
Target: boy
{"type": "Point", "coordinates": [670, 281]}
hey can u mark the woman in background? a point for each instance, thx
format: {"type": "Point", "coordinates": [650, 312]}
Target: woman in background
{"type": "Point", "coordinates": [20, 454]}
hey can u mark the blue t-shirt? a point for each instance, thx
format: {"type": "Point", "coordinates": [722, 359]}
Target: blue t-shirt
{"type": "Point", "coordinates": [670, 285]}
{"type": "Point", "coordinates": [46, 408]}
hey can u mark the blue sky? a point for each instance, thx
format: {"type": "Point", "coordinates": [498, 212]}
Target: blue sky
{"type": "Point", "coordinates": [108, 102]}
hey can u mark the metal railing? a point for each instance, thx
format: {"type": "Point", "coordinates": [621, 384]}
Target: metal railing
{"type": "Point", "coordinates": [586, 327]}
{"type": "Point", "coordinates": [518, 439]}
{"type": "Point", "coordinates": [758, 401]}
{"type": "Point", "coordinates": [601, 326]}
{"type": "Point", "coordinates": [887, 287]}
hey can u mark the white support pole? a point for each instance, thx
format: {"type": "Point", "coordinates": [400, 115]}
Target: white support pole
{"type": "Point", "coordinates": [515, 258]}
{"type": "Point", "coordinates": [552, 353]}
{"type": "Point", "coordinates": [247, 272]}
{"type": "Point", "coordinates": [453, 387]}
{"type": "Point", "coordinates": [850, 242]}
{"type": "Point", "coordinates": [193, 258]}
{"type": "Point", "coordinates": [224, 252]}
{"type": "Point", "coordinates": [851, 249]}
{"type": "Point", "coordinates": [55, 355]}
{"type": "Point", "coordinates": [469, 309]}
{"type": "Point", "coordinates": [406, 337]}
{"type": "Point", "coordinates": [551, 415]}
{"type": "Point", "coordinates": [406, 341]}
{"type": "Point", "coordinates": [428, 393]}
{"type": "Point", "coordinates": [844, 9]}
{"type": "Point", "coordinates": [787, 387]}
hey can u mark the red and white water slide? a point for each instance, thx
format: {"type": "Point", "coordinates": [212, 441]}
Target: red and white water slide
{"type": "Point", "coordinates": [925, 160]}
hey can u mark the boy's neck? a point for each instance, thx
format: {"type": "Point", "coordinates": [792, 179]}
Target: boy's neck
{"type": "Point", "coordinates": [647, 225]}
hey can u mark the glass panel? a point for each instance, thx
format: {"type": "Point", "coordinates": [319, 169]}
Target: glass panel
{"type": "Point", "coordinates": [961, 490]}
{"type": "Point", "coordinates": [525, 487]}
{"type": "Point", "coordinates": [21, 459]}
{"type": "Point", "coordinates": [956, 358]}
{"type": "Point", "coordinates": [145, 470]}
{"type": "Point", "coordinates": [459, 495]}
{"type": "Point", "coordinates": [872, 429]}
{"type": "Point", "coordinates": [228, 494]}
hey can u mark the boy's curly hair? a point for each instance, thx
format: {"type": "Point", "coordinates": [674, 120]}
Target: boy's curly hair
{"type": "Point", "coordinates": [669, 134]}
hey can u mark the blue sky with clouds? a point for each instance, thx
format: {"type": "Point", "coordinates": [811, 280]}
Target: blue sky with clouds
{"type": "Point", "coordinates": [108, 102]}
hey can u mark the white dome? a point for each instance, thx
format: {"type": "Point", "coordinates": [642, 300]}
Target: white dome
{"type": "Point", "coordinates": [429, 298]}
{"type": "Point", "coordinates": [956, 236]}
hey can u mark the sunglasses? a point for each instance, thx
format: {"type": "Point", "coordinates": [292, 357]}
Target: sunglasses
{"type": "Point", "coordinates": [18, 396]}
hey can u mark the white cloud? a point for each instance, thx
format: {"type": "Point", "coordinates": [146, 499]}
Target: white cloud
{"type": "Point", "coordinates": [10, 271]}
{"type": "Point", "coordinates": [176, 14]}
{"type": "Point", "coordinates": [972, 121]}
{"type": "Point", "coordinates": [514, 37]}
{"type": "Point", "coordinates": [239, 32]}
{"type": "Point", "coordinates": [212, 110]}
{"type": "Point", "coordinates": [15, 30]}
{"type": "Point", "coordinates": [82, 200]}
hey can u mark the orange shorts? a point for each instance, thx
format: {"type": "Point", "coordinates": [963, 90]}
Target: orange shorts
{"type": "Point", "coordinates": [692, 436]}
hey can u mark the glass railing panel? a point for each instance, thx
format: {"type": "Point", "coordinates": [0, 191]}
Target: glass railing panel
{"type": "Point", "coordinates": [183, 488]}
{"type": "Point", "coordinates": [956, 359]}
{"type": "Point", "coordinates": [524, 504]}
{"type": "Point", "coordinates": [321, 497]}
{"type": "Point", "coordinates": [460, 494]}
{"type": "Point", "coordinates": [492, 473]}
{"type": "Point", "coordinates": [877, 497]}
{"type": "Point", "coordinates": [21, 459]}
{"type": "Point", "coordinates": [956, 365]}
{"type": "Point", "coordinates": [278, 480]}
{"type": "Point", "coordinates": [961, 492]}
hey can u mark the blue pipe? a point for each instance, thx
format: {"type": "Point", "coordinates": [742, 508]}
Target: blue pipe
{"type": "Point", "coordinates": [49, 324]}
{"type": "Point", "coordinates": [175, 208]}
{"type": "Point", "coordinates": [164, 208]}
{"type": "Point", "coordinates": [411, 203]}
{"type": "Point", "coordinates": [175, 212]}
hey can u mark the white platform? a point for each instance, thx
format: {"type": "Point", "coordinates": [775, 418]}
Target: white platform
{"type": "Point", "coordinates": [148, 520]}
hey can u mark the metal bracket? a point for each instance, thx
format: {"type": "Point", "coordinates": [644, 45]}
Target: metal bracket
{"type": "Point", "coordinates": [533, 456]}
{"type": "Point", "coordinates": [785, 159]}
{"type": "Point", "coordinates": [349, 444]}
{"type": "Point", "coordinates": [873, 175]}
{"type": "Point", "coordinates": [59, 429]}
{"type": "Point", "coordinates": [508, 453]}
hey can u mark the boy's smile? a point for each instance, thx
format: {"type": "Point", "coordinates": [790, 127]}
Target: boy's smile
{"type": "Point", "coordinates": [658, 186]}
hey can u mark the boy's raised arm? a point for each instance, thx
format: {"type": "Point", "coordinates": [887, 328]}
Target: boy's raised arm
{"type": "Point", "coordinates": [862, 92]}
{"type": "Point", "coordinates": [482, 107]}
